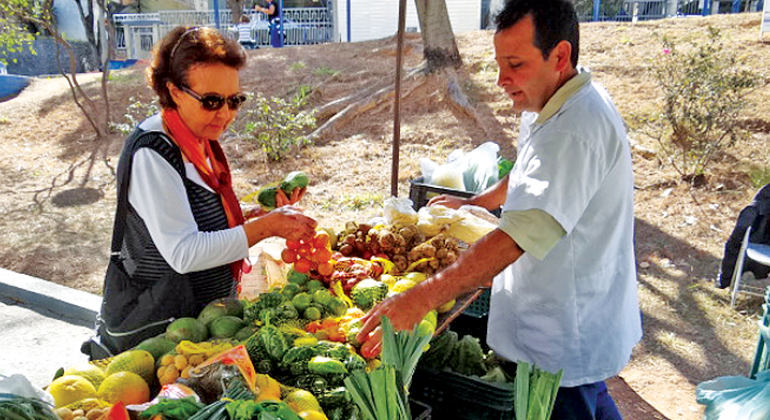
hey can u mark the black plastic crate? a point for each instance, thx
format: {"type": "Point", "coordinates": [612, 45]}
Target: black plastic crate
{"type": "Point", "coordinates": [418, 192]}
{"type": "Point", "coordinates": [466, 324]}
{"type": "Point", "coordinates": [419, 410]}
{"type": "Point", "coordinates": [479, 308]}
{"type": "Point", "coordinates": [453, 396]}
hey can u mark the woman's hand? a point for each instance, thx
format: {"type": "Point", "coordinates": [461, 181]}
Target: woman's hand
{"type": "Point", "coordinates": [281, 199]}
{"type": "Point", "coordinates": [289, 222]}
{"type": "Point", "coordinates": [251, 211]}
{"type": "Point", "coordinates": [286, 222]}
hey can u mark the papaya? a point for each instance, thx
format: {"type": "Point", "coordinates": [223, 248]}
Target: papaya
{"type": "Point", "coordinates": [221, 307]}
{"type": "Point", "coordinates": [157, 346]}
{"type": "Point", "coordinates": [189, 329]}
{"type": "Point", "coordinates": [294, 180]}
{"type": "Point", "coordinates": [225, 326]}
{"type": "Point", "coordinates": [266, 197]}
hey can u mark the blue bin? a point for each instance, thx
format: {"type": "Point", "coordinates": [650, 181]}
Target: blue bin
{"type": "Point", "coordinates": [11, 85]}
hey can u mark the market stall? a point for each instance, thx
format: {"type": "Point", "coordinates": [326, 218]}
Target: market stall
{"type": "Point", "coordinates": [286, 347]}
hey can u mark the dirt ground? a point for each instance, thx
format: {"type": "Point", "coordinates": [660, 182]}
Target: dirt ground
{"type": "Point", "coordinates": [57, 195]}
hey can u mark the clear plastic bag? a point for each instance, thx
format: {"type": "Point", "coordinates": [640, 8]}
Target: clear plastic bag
{"type": "Point", "coordinates": [474, 171]}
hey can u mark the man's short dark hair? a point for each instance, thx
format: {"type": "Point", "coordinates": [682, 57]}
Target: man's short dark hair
{"type": "Point", "coordinates": [554, 20]}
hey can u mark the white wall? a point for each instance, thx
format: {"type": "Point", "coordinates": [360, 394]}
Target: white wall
{"type": "Point", "coordinates": [379, 19]}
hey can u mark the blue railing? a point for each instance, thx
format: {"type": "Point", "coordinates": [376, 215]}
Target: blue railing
{"type": "Point", "coordinates": [640, 10]}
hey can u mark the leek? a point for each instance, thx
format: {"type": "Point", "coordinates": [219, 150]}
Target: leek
{"type": "Point", "coordinates": [382, 393]}
{"type": "Point", "coordinates": [535, 392]}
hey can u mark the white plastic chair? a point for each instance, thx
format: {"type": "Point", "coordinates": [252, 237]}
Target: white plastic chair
{"type": "Point", "coordinates": [755, 252]}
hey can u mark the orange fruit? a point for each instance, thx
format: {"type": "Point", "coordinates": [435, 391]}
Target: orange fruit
{"type": "Point", "coordinates": [288, 255]}
{"type": "Point", "coordinates": [292, 244]}
{"type": "Point", "coordinates": [303, 265]}
{"type": "Point", "coordinates": [126, 387]}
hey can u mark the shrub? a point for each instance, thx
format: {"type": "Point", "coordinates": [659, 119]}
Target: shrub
{"type": "Point", "coordinates": [276, 124]}
{"type": "Point", "coordinates": [136, 112]}
{"type": "Point", "coordinates": [704, 93]}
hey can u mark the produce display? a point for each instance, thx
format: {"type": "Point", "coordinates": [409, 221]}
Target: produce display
{"type": "Point", "coordinates": [290, 353]}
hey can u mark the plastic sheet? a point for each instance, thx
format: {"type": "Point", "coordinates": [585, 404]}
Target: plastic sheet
{"type": "Point", "coordinates": [736, 397]}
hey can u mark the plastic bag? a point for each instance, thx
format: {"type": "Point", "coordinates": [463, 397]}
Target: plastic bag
{"type": "Point", "coordinates": [474, 171]}
{"type": "Point", "coordinates": [18, 384]}
{"type": "Point", "coordinates": [480, 169]}
{"type": "Point", "coordinates": [470, 228]}
{"type": "Point", "coordinates": [399, 211]}
{"type": "Point", "coordinates": [736, 397]}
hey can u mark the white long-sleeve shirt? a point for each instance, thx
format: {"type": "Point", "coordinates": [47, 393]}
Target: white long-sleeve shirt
{"type": "Point", "coordinates": [159, 197]}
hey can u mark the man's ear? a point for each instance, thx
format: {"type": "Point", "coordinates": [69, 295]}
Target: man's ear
{"type": "Point", "coordinates": [562, 53]}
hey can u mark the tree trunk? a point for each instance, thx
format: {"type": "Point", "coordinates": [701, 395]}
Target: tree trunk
{"type": "Point", "coordinates": [236, 6]}
{"type": "Point", "coordinates": [440, 49]}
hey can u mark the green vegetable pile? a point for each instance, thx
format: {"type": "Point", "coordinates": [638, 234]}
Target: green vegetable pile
{"type": "Point", "coordinates": [15, 407]}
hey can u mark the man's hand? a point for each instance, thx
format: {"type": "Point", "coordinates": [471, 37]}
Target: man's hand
{"type": "Point", "coordinates": [404, 311]}
{"type": "Point", "coordinates": [451, 201]}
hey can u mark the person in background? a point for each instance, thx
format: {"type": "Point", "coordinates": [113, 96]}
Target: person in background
{"type": "Point", "coordinates": [564, 294]}
{"type": "Point", "coordinates": [181, 238]}
{"type": "Point", "coordinates": [273, 13]}
{"type": "Point", "coordinates": [271, 10]}
{"type": "Point", "coordinates": [244, 33]}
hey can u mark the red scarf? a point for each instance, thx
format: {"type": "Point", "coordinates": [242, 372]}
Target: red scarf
{"type": "Point", "coordinates": [217, 176]}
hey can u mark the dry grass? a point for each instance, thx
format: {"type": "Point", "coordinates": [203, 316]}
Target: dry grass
{"type": "Point", "coordinates": [58, 196]}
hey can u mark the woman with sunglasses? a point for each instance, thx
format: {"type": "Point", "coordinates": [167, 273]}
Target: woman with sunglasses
{"type": "Point", "coordinates": [181, 239]}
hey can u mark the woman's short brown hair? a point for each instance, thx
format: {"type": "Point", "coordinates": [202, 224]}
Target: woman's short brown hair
{"type": "Point", "coordinates": [183, 48]}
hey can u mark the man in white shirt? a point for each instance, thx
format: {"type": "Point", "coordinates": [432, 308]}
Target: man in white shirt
{"type": "Point", "coordinates": [564, 292]}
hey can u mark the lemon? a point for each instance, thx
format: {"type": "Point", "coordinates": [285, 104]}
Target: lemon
{"type": "Point", "coordinates": [312, 415]}
{"type": "Point", "coordinates": [416, 276]}
{"type": "Point", "coordinates": [126, 387]}
{"type": "Point", "coordinates": [300, 400]}
{"type": "Point", "coordinates": [88, 371]}
{"type": "Point", "coordinates": [447, 306]}
{"type": "Point", "coordinates": [70, 388]}
{"type": "Point", "coordinates": [388, 279]}
{"type": "Point", "coordinates": [402, 286]}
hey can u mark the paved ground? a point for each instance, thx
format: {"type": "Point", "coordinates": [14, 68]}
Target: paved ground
{"type": "Point", "coordinates": [42, 326]}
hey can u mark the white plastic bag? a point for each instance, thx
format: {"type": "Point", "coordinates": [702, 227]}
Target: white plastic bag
{"type": "Point", "coordinates": [18, 384]}
{"type": "Point", "coordinates": [469, 228]}
{"type": "Point", "coordinates": [399, 211]}
{"type": "Point", "coordinates": [474, 171]}
{"type": "Point", "coordinates": [736, 397]}
{"type": "Point", "coordinates": [480, 167]}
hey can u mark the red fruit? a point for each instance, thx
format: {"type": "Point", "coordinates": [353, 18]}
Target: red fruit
{"type": "Point", "coordinates": [288, 256]}
{"type": "Point", "coordinates": [304, 250]}
{"type": "Point", "coordinates": [325, 268]}
{"type": "Point", "coordinates": [303, 265]}
{"type": "Point", "coordinates": [321, 255]}
{"type": "Point", "coordinates": [292, 244]}
{"type": "Point", "coordinates": [321, 240]}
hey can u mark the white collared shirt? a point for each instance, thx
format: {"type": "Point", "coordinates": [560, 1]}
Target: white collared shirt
{"type": "Point", "coordinates": [576, 309]}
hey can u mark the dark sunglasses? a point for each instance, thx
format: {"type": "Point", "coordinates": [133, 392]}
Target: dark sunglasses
{"type": "Point", "coordinates": [214, 102]}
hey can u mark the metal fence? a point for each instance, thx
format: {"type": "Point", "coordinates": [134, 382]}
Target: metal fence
{"type": "Point", "coordinates": [640, 10]}
{"type": "Point", "coordinates": [136, 33]}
